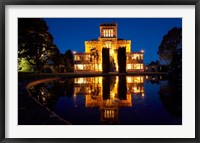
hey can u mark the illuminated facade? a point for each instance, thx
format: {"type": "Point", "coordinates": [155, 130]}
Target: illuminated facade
{"type": "Point", "coordinates": [109, 93]}
{"type": "Point", "coordinates": [91, 59]}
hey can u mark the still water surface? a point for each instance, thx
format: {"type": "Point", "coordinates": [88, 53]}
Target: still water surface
{"type": "Point", "coordinates": [121, 100]}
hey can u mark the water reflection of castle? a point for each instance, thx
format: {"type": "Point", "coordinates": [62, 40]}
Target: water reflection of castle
{"type": "Point", "coordinates": [109, 93]}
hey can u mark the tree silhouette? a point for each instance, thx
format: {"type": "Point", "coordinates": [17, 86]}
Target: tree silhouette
{"type": "Point", "coordinates": [169, 44]}
{"type": "Point", "coordinates": [67, 60]}
{"type": "Point", "coordinates": [35, 43]}
{"type": "Point", "coordinates": [69, 55]}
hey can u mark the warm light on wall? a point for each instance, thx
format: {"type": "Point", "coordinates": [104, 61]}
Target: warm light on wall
{"type": "Point", "coordinates": [111, 52]}
{"type": "Point", "coordinates": [112, 94]}
{"type": "Point", "coordinates": [117, 67]}
{"type": "Point", "coordinates": [80, 67]}
{"type": "Point", "coordinates": [129, 80]}
{"type": "Point", "coordinates": [136, 56]}
{"type": "Point", "coordinates": [135, 79]}
{"type": "Point", "coordinates": [107, 39]}
{"type": "Point", "coordinates": [129, 66]}
{"type": "Point", "coordinates": [141, 79]}
{"type": "Point", "coordinates": [92, 88]}
{"type": "Point", "coordinates": [142, 66]}
{"type": "Point", "coordinates": [100, 67]}
{"type": "Point", "coordinates": [134, 89]}
{"type": "Point", "coordinates": [138, 66]}
{"type": "Point", "coordinates": [80, 80]}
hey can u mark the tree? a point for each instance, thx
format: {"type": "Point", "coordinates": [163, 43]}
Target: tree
{"type": "Point", "coordinates": [35, 43]}
{"type": "Point", "coordinates": [69, 55]}
{"type": "Point", "coordinates": [154, 63]}
{"type": "Point", "coordinates": [170, 44]}
{"type": "Point", "coordinates": [24, 65]}
{"type": "Point", "coordinates": [67, 60]}
{"type": "Point", "coordinates": [53, 55]}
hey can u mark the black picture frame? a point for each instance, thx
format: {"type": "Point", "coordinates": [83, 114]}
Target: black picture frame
{"type": "Point", "coordinates": [3, 4]}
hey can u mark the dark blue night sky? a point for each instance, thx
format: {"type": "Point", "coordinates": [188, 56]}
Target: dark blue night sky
{"type": "Point", "coordinates": [145, 33]}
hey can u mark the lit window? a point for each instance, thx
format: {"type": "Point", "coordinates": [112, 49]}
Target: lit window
{"type": "Point", "coordinates": [129, 80]}
{"type": "Point", "coordinates": [137, 66]}
{"type": "Point", "coordinates": [113, 114]}
{"type": "Point", "coordinates": [105, 114]}
{"type": "Point", "coordinates": [111, 33]}
{"type": "Point", "coordinates": [137, 56]}
{"type": "Point", "coordinates": [104, 33]}
{"type": "Point", "coordinates": [80, 67]}
{"type": "Point", "coordinates": [141, 56]}
{"type": "Point", "coordinates": [142, 80]}
{"type": "Point", "coordinates": [80, 80]}
{"type": "Point", "coordinates": [138, 79]}
{"type": "Point", "coordinates": [77, 57]}
{"type": "Point", "coordinates": [129, 66]}
{"type": "Point", "coordinates": [108, 32]}
{"type": "Point", "coordinates": [87, 57]}
{"type": "Point", "coordinates": [142, 66]}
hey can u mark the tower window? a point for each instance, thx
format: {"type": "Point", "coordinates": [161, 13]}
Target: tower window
{"type": "Point", "coordinates": [108, 32]}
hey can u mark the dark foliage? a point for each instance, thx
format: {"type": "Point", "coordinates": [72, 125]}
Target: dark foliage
{"type": "Point", "coordinates": [105, 59]}
{"type": "Point", "coordinates": [67, 60]}
{"type": "Point", "coordinates": [122, 59]}
{"type": "Point", "coordinates": [35, 43]}
{"type": "Point", "coordinates": [169, 44]}
{"type": "Point", "coordinates": [170, 50]}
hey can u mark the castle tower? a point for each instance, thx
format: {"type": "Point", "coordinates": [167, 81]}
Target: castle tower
{"type": "Point", "coordinates": [108, 30]}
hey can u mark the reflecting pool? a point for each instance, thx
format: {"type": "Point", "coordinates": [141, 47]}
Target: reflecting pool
{"type": "Point", "coordinates": [120, 100]}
